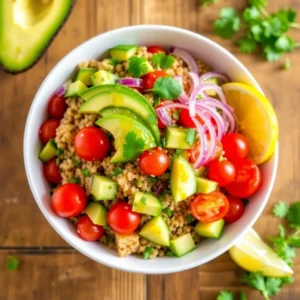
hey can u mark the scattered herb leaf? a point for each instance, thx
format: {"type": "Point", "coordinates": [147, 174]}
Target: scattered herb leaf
{"type": "Point", "coordinates": [144, 200]}
{"type": "Point", "coordinates": [133, 146]}
{"type": "Point", "coordinates": [147, 252]}
{"type": "Point", "coordinates": [138, 182]}
{"type": "Point", "coordinates": [75, 162]}
{"type": "Point", "coordinates": [12, 263]}
{"type": "Point", "coordinates": [86, 172]}
{"type": "Point", "coordinates": [74, 179]}
{"type": "Point", "coordinates": [168, 212]}
{"type": "Point", "coordinates": [243, 296]}
{"type": "Point", "coordinates": [117, 171]}
{"type": "Point", "coordinates": [167, 88]}
{"type": "Point", "coordinates": [225, 295]}
{"type": "Point", "coordinates": [138, 66]}
{"type": "Point", "coordinates": [287, 64]}
{"type": "Point", "coordinates": [281, 209]}
{"type": "Point", "coordinates": [153, 179]}
{"type": "Point", "coordinates": [294, 215]}
{"type": "Point", "coordinates": [170, 253]}
{"type": "Point", "coordinates": [189, 219]}
{"type": "Point", "coordinates": [162, 60]}
{"type": "Point", "coordinates": [59, 152]}
{"type": "Point", "coordinates": [114, 62]}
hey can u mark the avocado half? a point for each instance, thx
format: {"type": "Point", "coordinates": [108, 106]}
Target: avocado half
{"type": "Point", "coordinates": [27, 28]}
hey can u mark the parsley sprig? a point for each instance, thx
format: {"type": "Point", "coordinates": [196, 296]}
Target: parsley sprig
{"type": "Point", "coordinates": [167, 88]}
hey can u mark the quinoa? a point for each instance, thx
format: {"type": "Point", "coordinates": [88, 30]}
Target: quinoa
{"type": "Point", "coordinates": [132, 179]}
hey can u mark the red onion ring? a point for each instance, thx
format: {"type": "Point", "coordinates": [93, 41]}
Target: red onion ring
{"type": "Point", "coordinates": [210, 75]}
{"type": "Point", "coordinates": [204, 86]}
{"type": "Point", "coordinates": [183, 98]}
{"type": "Point", "coordinates": [132, 82]}
{"type": "Point", "coordinates": [164, 116]}
{"type": "Point", "coordinates": [187, 58]}
{"type": "Point", "coordinates": [194, 80]}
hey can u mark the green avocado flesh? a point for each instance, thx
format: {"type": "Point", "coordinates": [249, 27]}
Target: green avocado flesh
{"type": "Point", "coordinates": [27, 28]}
{"type": "Point", "coordinates": [115, 95]}
{"type": "Point", "coordinates": [131, 137]}
{"type": "Point", "coordinates": [97, 213]}
{"type": "Point", "coordinates": [48, 152]}
{"type": "Point", "coordinates": [123, 52]}
{"type": "Point", "coordinates": [211, 230]}
{"type": "Point", "coordinates": [182, 245]}
{"type": "Point", "coordinates": [103, 188]}
{"type": "Point", "coordinates": [156, 231]}
{"type": "Point", "coordinates": [178, 138]}
{"type": "Point", "coordinates": [146, 203]}
{"type": "Point", "coordinates": [84, 75]}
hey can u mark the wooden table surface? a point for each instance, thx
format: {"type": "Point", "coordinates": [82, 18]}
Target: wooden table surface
{"type": "Point", "coordinates": [49, 268]}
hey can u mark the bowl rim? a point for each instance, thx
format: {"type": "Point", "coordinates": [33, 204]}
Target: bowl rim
{"type": "Point", "coordinates": [172, 268]}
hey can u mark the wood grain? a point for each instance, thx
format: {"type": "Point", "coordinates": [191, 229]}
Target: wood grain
{"type": "Point", "coordinates": [49, 268]}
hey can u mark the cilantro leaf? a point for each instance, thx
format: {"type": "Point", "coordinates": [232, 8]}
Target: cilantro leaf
{"type": "Point", "coordinates": [285, 43]}
{"type": "Point", "coordinates": [138, 66]}
{"type": "Point", "coordinates": [189, 219]}
{"type": "Point", "coordinates": [207, 2]}
{"type": "Point", "coordinates": [287, 64]}
{"type": "Point", "coordinates": [271, 53]}
{"type": "Point", "coordinates": [168, 212]}
{"type": "Point", "coordinates": [74, 179]}
{"type": "Point", "coordinates": [294, 241]}
{"type": "Point", "coordinates": [243, 296]}
{"type": "Point", "coordinates": [258, 3]}
{"type": "Point", "coordinates": [287, 15]}
{"type": "Point", "coordinates": [162, 60]}
{"type": "Point", "coordinates": [190, 136]}
{"type": "Point", "coordinates": [247, 45]}
{"type": "Point", "coordinates": [294, 215]}
{"type": "Point", "coordinates": [280, 209]}
{"type": "Point", "coordinates": [252, 14]}
{"type": "Point", "coordinates": [228, 23]}
{"type": "Point", "coordinates": [117, 171]}
{"type": "Point", "coordinates": [144, 200]}
{"type": "Point", "coordinates": [273, 285]}
{"type": "Point", "coordinates": [59, 152]}
{"type": "Point", "coordinates": [86, 172]}
{"type": "Point", "coordinates": [257, 281]}
{"type": "Point", "coordinates": [133, 146]}
{"type": "Point", "coordinates": [12, 263]}
{"type": "Point", "coordinates": [114, 62]}
{"type": "Point", "coordinates": [225, 295]}
{"type": "Point", "coordinates": [170, 253]}
{"type": "Point", "coordinates": [147, 252]}
{"type": "Point", "coordinates": [75, 162]}
{"type": "Point", "coordinates": [167, 88]}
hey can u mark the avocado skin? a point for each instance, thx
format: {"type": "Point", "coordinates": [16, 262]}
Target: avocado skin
{"type": "Point", "coordinates": [13, 72]}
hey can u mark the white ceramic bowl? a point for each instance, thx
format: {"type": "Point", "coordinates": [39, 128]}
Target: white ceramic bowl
{"type": "Point", "coordinates": [165, 36]}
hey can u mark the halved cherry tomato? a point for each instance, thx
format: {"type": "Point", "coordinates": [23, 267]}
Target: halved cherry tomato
{"type": "Point", "coordinates": [247, 180]}
{"type": "Point", "coordinates": [122, 219]}
{"type": "Point", "coordinates": [150, 78]}
{"type": "Point", "coordinates": [52, 171]}
{"type": "Point", "coordinates": [57, 107]}
{"type": "Point", "coordinates": [223, 172]}
{"type": "Point", "coordinates": [48, 130]}
{"type": "Point", "coordinates": [209, 208]}
{"type": "Point", "coordinates": [155, 49]}
{"type": "Point", "coordinates": [235, 146]}
{"type": "Point", "coordinates": [68, 200]}
{"type": "Point", "coordinates": [87, 230]}
{"type": "Point", "coordinates": [236, 209]}
{"type": "Point", "coordinates": [186, 120]}
{"type": "Point", "coordinates": [154, 162]}
{"type": "Point", "coordinates": [91, 143]}
{"type": "Point", "coordinates": [171, 111]}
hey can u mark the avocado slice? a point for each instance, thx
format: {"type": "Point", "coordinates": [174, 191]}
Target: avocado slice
{"type": "Point", "coordinates": [97, 213]}
{"type": "Point", "coordinates": [146, 203]}
{"type": "Point", "coordinates": [84, 75]}
{"type": "Point", "coordinates": [103, 188]}
{"type": "Point", "coordinates": [75, 88]}
{"type": "Point", "coordinates": [49, 151]}
{"type": "Point", "coordinates": [180, 138]}
{"type": "Point", "coordinates": [104, 77]}
{"type": "Point", "coordinates": [27, 29]}
{"type": "Point", "coordinates": [131, 137]}
{"type": "Point", "coordinates": [211, 230]}
{"type": "Point", "coordinates": [156, 231]}
{"type": "Point", "coordinates": [205, 186]}
{"type": "Point", "coordinates": [123, 52]}
{"type": "Point", "coordinates": [116, 95]}
{"type": "Point", "coordinates": [182, 245]}
{"type": "Point", "coordinates": [182, 180]}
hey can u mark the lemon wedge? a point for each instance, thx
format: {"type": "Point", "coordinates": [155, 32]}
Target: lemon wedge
{"type": "Point", "coordinates": [253, 255]}
{"type": "Point", "coordinates": [256, 119]}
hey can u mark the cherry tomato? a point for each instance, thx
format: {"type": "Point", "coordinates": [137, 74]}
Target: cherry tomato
{"type": "Point", "coordinates": [171, 111]}
{"type": "Point", "coordinates": [235, 146]}
{"type": "Point", "coordinates": [150, 78]}
{"type": "Point", "coordinates": [68, 200]}
{"type": "Point", "coordinates": [87, 230]}
{"type": "Point", "coordinates": [52, 172]}
{"type": "Point", "coordinates": [122, 219]}
{"type": "Point", "coordinates": [48, 130]}
{"type": "Point", "coordinates": [154, 162]}
{"type": "Point", "coordinates": [247, 180]}
{"type": "Point", "coordinates": [57, 107]}
{"type": "Point", "coordinates": [236, 209]}
{"type": "Point", "coordinates": [91, 143]}
{"type": "Point", "coordinates": [186, 120]}
{"type": "Point", "coordinates": [223, 172]}
{"type": "Point", "coordinates": [194, 152]}
{"type": "Point", "coordinates": [209, 208]}
{"type": "Point", "coordinates": [155, 49]}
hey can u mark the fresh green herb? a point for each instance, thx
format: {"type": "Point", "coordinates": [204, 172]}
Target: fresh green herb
{"type": "Point", "coordinates": [247, 45]}
{"type": "Point", "coordinates": [204, 3]}
{"type": "Point", "coordinates": [243, 296]}
{"type": "Point", "coordinates": [57, 161]}
{"type": "Point", "coordinates": [106, 227]}
{"type": "Point", "coordinates": [74, 179]}
{"type": "Point", "coordinates": [287, 64]}
{"type": "Point", "coordinates": [109, 239]}
{"type": "Point", "coordinates": [178, 151]}
{"type": "Point", "coordinates": [190, 136]}
{"type": "Point", "coordinates": [138, 182]}
{"type": "Point", "coordinates": [12, 263]}
{"type": "Point", "coordinates": [59, 152]}
{"type": "Point", "coordinates": [281, 209]}
{"type": "Point", "coordinates": [168, 212]}
{"type": "Point", "coordinates": [138, 66]}
{"type": "Point", "coordinates": [117, 171]}
{"type": "Point", "coordinates": [75, 162]}
{"type": "Point", "coordinates": [144, 200]}
{"type": "Point", "coordinates": [293, 215]}
{"type": "Point", "coordinates": [170, 253]}
{"type": "Point", "coordinates": [147, 252]}
{"type": "Point", "coordinates": [176, 114]}
{"type": "Point", "coordinates": [133, 145]}
{"type": "Point", "coordinates": [163, 142]}
{"type": "Point", "coordinates": [156, 100]}
{"type": "Point", "coordinates": [114, 62]}
{"type": "Point", "coordinates": [86, 172]}
{"type": "Point", "coordinates": [225, 295]}
{"type": "Point", "coordinates": [189, 219]}
{"type": "Point", "coordinates": [162, 60]}
{"type": "Point", "coordinates": [167, 88]}
{"type": "Point", "coordinates": [153, 179]}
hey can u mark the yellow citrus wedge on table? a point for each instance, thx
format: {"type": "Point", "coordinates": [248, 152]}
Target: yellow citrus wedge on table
{"type": "Point", "coordinates": [252, 254]}
{"type": "Point", "coordinates": [256, 119]}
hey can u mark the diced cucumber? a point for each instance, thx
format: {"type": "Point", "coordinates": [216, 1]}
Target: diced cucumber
{"type": "Point", "coordinates": [156, 231]}
{"type": "Point", "coordinates": [146, 203]}
{"type": "Point", "coordinates": [103, 188]}
{"type": "Point", "coordinates": [48, 152]}
{"type": "Point", "coordinates": [97, 213]}
{"type": "Point", "coordinates": [75, 88]}
{"type": "Point", "coordinates": [211, 230]}
{"type": "Point", "coordinates": [84, 75]}
{"type": "Point", "coordinates": [180, 138]}
{"type": "Point", "coordinates": [182, 180]}
{"type": "Point", "coordinates": [205, 186]}
{"type": "Point", "coordinates": [182, 245]}
{"type": "Point", "coordinates": [103, 77]}
{"type": "Point", "coordinates": [123, 52]}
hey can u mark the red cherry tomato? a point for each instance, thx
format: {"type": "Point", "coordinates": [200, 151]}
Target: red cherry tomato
{"type": "Point", "coordinates": [150, 78]}
{"type": "Point", "coordinates": [68, 200]}
{"type": "Point", "coordinates": [57, 107]}
{"type": "Point", "coordinates": [236, 209]}
{"type": "Point", "coordinates": [52, 172]}
{"type": "Point", "coordinates": [154, 162]}
{"type": "Point", "coordinates": [91, 143]}
{"type": "Point", "coordinates": [223, 172]}
{"type": "Point", "coordinates": [171, 111]}
{"type": "Point", "coordinates": [122, 219]}
{"type": "Point", "coordinates": [154, 49]}
{"type": "Point", "coordinates": [209, 208]}
{"type": "Point", "coordinates": [87, 230]}
{"type": "Point", "coordinates": [247, 180]}
{"type": "Point", "coordinates": [186, 120]}
{"type": "Point", "coordinates": [194, 152]}
{"type": "Point", "coordinates": [48, 130]}
{"type": "Point", "coordinates": [235, 146]}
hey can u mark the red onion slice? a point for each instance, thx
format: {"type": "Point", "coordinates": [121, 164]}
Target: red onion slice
{"type": "Point", "coordinates": [187, 58]}
{"type": "Point", "coordinates": [204, 86]}
{"type": "Point", "coordinates": [194, 81]}
{"type": "Point", "coordinates": [164, 116]}
{"type": "Point", "coordinates": [210, 75]}
{"type": "Point", "coordinates": [132, 82]}
{"type": "Point", "coordinates": [61, 90]}
{"type": "Point", "coordinates": [183, 98]}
